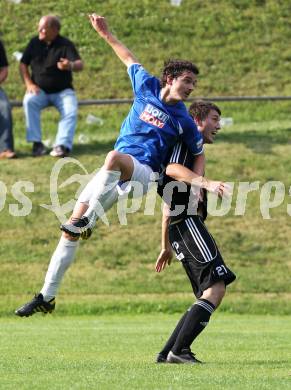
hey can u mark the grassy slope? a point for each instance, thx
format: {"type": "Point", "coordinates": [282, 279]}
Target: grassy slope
{"type": "Point", "coordinates": [240, 46]}
{"type": "Point", "coordinates": [120, 260]}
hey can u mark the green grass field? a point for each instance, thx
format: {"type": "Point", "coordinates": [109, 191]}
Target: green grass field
{"type": "Point", "coordinates": [113, 311]}
{"type": "Point", "coordinates": [118, 352]}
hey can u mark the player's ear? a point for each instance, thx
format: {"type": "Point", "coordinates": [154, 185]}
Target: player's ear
{"type": "Point", "coordinates": [170, 80]}
{"type": "Point", "coordinates": [199, 122]}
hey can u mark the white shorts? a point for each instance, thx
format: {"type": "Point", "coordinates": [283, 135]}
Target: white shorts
{"type": "Point", "coordinates": [139, 183]}
{"type": "Point", "coordinates": [142, 176]}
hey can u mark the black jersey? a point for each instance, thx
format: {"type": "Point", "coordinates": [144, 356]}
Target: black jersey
{"type": "Point", "coordinates": [43, 59]}
{"type": "Point", "coordinates": [181, 197]}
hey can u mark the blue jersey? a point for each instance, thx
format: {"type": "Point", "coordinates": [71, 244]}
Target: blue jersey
{"type": "Point", "coordinates": [152, 126]}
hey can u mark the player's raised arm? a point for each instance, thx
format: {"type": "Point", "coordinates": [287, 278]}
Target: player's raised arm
{"type": "Point", "coordinates": [99, 23]}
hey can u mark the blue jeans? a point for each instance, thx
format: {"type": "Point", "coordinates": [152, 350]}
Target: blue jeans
{"type": "Point", "coordinates": [6, 135]}
{"type": "Point", "coordinates": [67, 105]}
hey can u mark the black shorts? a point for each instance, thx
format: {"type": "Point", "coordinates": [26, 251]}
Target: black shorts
{"type": "Point", "coordinates": [196, 249]}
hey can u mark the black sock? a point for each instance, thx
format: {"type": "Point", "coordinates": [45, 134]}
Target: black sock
{"type": "Point", "coordinates": [171, 341]}
{"type": "Point", "coordinates": [194, 323]}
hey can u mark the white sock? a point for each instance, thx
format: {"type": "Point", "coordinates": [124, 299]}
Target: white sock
{"type": "Point", "coordinates": [105, 194]}
{"type": "Point", "coordinates": [60, 262]}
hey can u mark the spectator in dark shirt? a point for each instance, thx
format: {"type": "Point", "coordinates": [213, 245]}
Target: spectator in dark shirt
{"type": "Point", "coordinates": [6, 136]}
{"type": "Point", "coordinates": [52, 59]}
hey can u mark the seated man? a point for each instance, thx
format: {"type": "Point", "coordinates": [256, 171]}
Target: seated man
{"type": "Point", "coordinates": [194, 246]}
{"type": "Point", "coordinates": [6, 135]}
{"type": "Point", "coordinates": [52, 59]}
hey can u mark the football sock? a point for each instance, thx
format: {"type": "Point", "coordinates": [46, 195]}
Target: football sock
{"type": "Point", "coordinates": [171, 341]}
{"type": "Point", "coordinates": [60, 262]}
{"type": "Point", "coordinates": [195, 322]}
{"type": "Point", "coordinates": [104, 195]}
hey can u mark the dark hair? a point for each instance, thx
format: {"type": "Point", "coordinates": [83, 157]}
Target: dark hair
{"type": "Point", "coordinates": [175, 68]}
{"type": "Point", "coordinates": [54, 21]}
{"type": "Point", "coordinates": [199, 109]}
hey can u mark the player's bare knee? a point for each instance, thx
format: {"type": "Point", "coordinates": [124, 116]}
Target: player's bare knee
{"type": "Point", "coordinates": [112, 160]}
{"type": "Point", "coordinates": [220, 292]}
{"type": "Point", "coordinates": [215, 293]}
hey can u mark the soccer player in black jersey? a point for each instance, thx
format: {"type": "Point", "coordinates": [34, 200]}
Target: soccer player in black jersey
{"type": "Point", "coordinates": [183, 230]}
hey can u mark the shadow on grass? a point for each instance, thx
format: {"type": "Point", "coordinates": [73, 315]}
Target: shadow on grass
{"type": "Point", "coordinates": [94, 147]}
{"type": "Point", "coordinates": [258, 142]}
{"type": "Point", "coordinates": [78, 150]}
{"type": "Point", "coordinates": [22, 154]}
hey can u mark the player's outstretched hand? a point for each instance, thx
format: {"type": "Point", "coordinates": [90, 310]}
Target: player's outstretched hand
{"type": "Point", "coordinates": [218, 187]}
{"type": "Point", "coordinates": [165, 257]}
{"type": "Point", "coordinates": [99, 24]}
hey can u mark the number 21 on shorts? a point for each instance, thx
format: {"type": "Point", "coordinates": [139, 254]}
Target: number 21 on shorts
{"type": "Point", "coordinates": [221, 270]}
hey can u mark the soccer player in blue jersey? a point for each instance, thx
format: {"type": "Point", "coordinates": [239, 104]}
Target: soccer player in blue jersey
{"type": "Point", "coordinates": [156, 120]}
